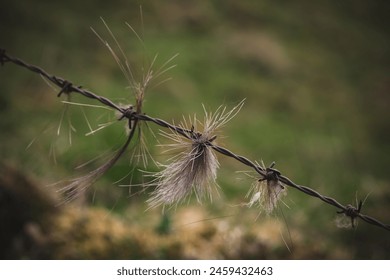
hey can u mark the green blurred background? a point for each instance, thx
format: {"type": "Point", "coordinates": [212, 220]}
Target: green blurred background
{"type": "Point", "coordinates": [315, 75]}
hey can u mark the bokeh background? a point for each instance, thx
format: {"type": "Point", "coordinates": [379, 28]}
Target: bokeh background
{"type": "Point", "coordinates": [315, 76]}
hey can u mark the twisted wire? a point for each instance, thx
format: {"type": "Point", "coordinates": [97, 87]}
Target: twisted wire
{"type": "Point", "coordinates": [67, 88]}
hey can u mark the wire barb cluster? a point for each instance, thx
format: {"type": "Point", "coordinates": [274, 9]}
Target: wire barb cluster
{"type": "Point", "coordinates": [352, 212]}
{"type": "Point", "coordinates": [206, 144]}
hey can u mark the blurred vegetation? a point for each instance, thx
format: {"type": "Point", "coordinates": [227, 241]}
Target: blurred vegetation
{"type": "Point", "coordinates": [315, 76]}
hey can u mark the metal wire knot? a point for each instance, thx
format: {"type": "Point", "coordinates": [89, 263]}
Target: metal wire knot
{"type": "Point", "coordinates": [352, 212]}
{"type": "Point", "coordinates": [129, 114]}
{"type": "Point", "coordinates": [271, 174]}
{"type": "Point", "coordinates": [66, 88]}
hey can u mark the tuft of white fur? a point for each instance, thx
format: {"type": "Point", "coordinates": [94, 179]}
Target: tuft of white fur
{"type": "Point", "coordinates": [194, 168]}
{"type": "Point", "coordinates": [266, 193]}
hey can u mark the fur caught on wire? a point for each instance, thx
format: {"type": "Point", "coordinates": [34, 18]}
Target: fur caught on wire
{"type": "Point", "coordinates": [194, 168]}
{"type": "Point", "coordinates": [267, 191]}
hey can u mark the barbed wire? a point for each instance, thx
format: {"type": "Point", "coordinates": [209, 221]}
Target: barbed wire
{"type": "Point", "coordinates": [64, 85]}
{"type": "Point", "coordinates": [67, 87]}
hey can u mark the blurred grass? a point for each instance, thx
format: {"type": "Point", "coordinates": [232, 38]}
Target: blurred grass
{"type": "Point", "coordinates": [314, 75]}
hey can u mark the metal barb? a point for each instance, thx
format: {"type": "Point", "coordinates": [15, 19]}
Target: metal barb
{"type": "Point", "coordinates": [66, 88]}
{"type": "Point", "coordinates": [271, 174]}
{"type": "Point", "coordinates": [129, 114]}
{"type": "Point", "coordinates": [352, 212]}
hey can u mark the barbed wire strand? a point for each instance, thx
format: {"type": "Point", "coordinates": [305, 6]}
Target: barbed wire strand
{"type": "Point", "coordinates": [67, 88]}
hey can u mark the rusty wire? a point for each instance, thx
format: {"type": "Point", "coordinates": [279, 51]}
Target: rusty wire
{"type": "Point", "coordinates": [67, 88]}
